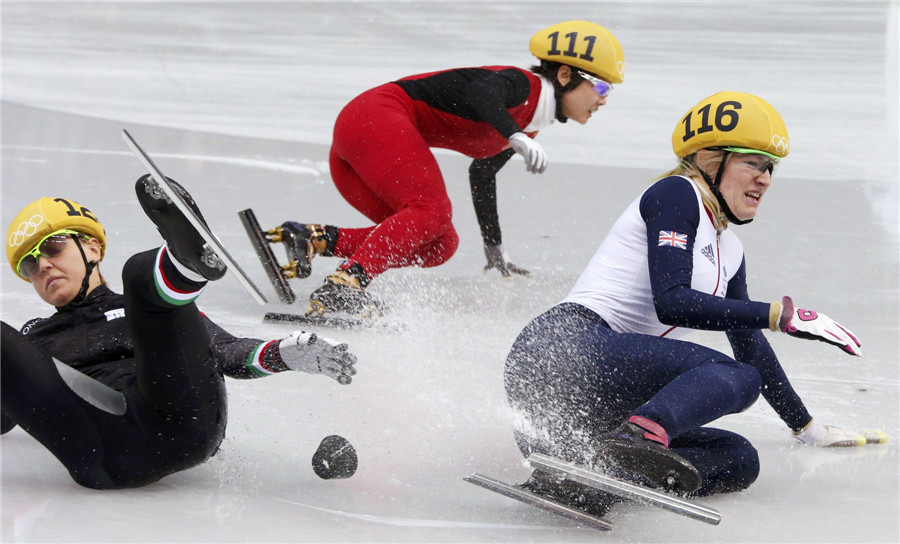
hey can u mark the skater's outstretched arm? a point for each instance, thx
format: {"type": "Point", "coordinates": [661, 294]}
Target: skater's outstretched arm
{"type": "Point", "coordinates": [249, 358]}
{"type": "Point", "coordinates": [483, 183]}
{"type": "Point", "coordinates": [752, 347]}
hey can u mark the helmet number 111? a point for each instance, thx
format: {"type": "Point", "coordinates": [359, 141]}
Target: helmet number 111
{"type": "Point", "coordinates": [573, 39]}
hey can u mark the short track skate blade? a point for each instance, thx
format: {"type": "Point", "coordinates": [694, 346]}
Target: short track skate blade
{"type": "Point", "coordinates": [624, 489]}
{"type": "Point", "coordinates": [523, 495]}
{"type": "Point", "coordinates": [195, 221]}
{"type": "Point", "coordinates": [266, 256]}
{"type": "Point", "coordinates": [317, 320]}
{"type": "Point", "coordinates": [335, 322]}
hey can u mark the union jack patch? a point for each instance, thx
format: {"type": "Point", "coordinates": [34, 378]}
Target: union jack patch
{"type": "Point", "coordinates": [672, 239]}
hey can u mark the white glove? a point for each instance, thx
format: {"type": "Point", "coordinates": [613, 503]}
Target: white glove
{"type": "Point", "coordinates": [810, 325]}
{"type": "Point", "coordinates": [535, 156]}
{"type": "Point", "coordinates": [306, 352]}
{"type": "Point", "coordinates": [497, 258]}
{"type": "Point", "coordinates": [828, 436]}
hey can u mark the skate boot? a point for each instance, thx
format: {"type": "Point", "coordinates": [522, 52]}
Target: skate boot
{"type": "Point", "coordinates": [302, 242]}
{"type": "Point", "coordinates": [569, 493]}
{"type": "Point", "coordinates": [343, 291]}
{"type": "Point", "coordinates": [639, 451]}
{"type": "Point", "coordinates": [184, 242]}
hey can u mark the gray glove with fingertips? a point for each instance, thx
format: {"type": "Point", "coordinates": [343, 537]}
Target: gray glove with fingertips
{"type": "Point", "coordinates": [307, 352]}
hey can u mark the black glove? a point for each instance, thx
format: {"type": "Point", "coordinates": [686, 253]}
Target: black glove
{"type": "Point", "coordinates": [497, 258]}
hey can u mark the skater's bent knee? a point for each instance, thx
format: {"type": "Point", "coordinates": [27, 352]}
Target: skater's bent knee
{"type": "Point", "coordinates": [750, 387]}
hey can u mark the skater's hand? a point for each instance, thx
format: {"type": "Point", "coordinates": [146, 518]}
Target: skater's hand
{"type": "Point", "coordinates": [307, 352]}
{"type": "Point", "coordinates": [497, 258]}
{"type": "Point", "coordinates": [829, 436]}
{"type": "Point", "coordinates": [810, 325]}
{"type": "Point", "coordinates": [535, 156]}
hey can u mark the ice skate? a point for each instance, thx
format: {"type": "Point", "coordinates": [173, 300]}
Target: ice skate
{"type": "Point", "coordinates": [302, 242]}
{"type": "Point", "coordinates": [639, 451]}
{"type": "Point", "coordinates": [184, 242]}
{"type": "Point", "coordinates": [569, 493]}
{"type": "Point", "coordinates": [343, 292]}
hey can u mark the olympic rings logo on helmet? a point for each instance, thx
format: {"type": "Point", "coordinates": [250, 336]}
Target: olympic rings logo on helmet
{"type": "Point", "coordinates": [24, 230]}
{"type": "Point", "coordinates": [782, 144]}
{"type": "Point", "coordinates": [44, 216]}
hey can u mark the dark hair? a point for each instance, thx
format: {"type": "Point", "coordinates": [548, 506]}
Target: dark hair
{"type": "Point", "coordinates": [549, 69]}
{"type": "Point", "coordinates": [546, 68]}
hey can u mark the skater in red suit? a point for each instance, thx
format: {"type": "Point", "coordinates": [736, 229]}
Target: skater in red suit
{"type": "Point", "coordinates": [382, 164]}
{"type": "Point", "coordinates": [126, 389]}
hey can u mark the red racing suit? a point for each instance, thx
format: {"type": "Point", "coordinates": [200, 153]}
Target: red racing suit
{"type": "Point", "coordinates": [381, 161]}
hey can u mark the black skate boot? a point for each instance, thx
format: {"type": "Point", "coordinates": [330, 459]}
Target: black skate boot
{"type": "Point", "coordinates": [639, 451]}
{"type": "Point", "coordinates": [184, 242]}
{"type": "Point", "coordinates": [302, 242]}
{"type": "Point", "coordinates": [344, 291]}
{"type": "Point", "coordinates": [569, 493]}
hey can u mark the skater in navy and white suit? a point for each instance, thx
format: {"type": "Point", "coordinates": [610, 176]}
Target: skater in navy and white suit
{"type": "Point", "coordinates": [601, 379]}
{"type": "Point", "coordinates": [137, 392]}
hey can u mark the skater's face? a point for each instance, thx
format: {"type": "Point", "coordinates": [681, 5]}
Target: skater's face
{"type": "Point", "coordinates": [57, 279]}
{"type": "Point", "coordinates": [580, 103]}
{"type": "Point", "coordinates": [745, 180]}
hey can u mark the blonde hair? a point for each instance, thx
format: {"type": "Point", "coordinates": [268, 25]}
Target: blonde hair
{"type": "Point", "coordinates": [694, 166]}
{"type": "Point", "coordinates": [704, 161]}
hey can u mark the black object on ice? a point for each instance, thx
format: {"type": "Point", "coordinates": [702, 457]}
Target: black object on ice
{"type": "Point", "coordinates": [335, 458]}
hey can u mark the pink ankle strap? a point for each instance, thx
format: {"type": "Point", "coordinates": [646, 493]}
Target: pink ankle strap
{"type": "Point", "coordinates": [655, 431]}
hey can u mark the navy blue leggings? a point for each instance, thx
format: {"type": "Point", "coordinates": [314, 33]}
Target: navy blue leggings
{"type": "Point", "coordinates": [570, 378]}
{"type": "Point", "coordinates": [176, 403]}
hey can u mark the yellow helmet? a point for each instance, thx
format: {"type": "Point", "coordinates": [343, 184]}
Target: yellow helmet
{"type": "Point", "coordinates": [44, 217]}
{"type": "Point", "coordinates": [584, 45]}
{"type": "Point", "coordinates": [739, 121]}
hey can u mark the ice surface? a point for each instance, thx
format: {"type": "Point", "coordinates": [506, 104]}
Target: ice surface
{"type": "Point", "coordinates": [237, 101]}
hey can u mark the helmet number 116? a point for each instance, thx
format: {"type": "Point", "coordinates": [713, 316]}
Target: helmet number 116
{"type": "Point", "coordinates": [726, 119]}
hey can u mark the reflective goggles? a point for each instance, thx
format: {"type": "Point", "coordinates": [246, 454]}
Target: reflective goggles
{"type": "Point", "coordinates": [50, 246]}
{"type": "Point", "coordinates": [756, 159]}
{"type": "Point", "coordinates": [600, 87]}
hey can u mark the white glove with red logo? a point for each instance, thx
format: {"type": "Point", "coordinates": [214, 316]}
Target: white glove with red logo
{"type": "Point", "coordinates": [810, 325]}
